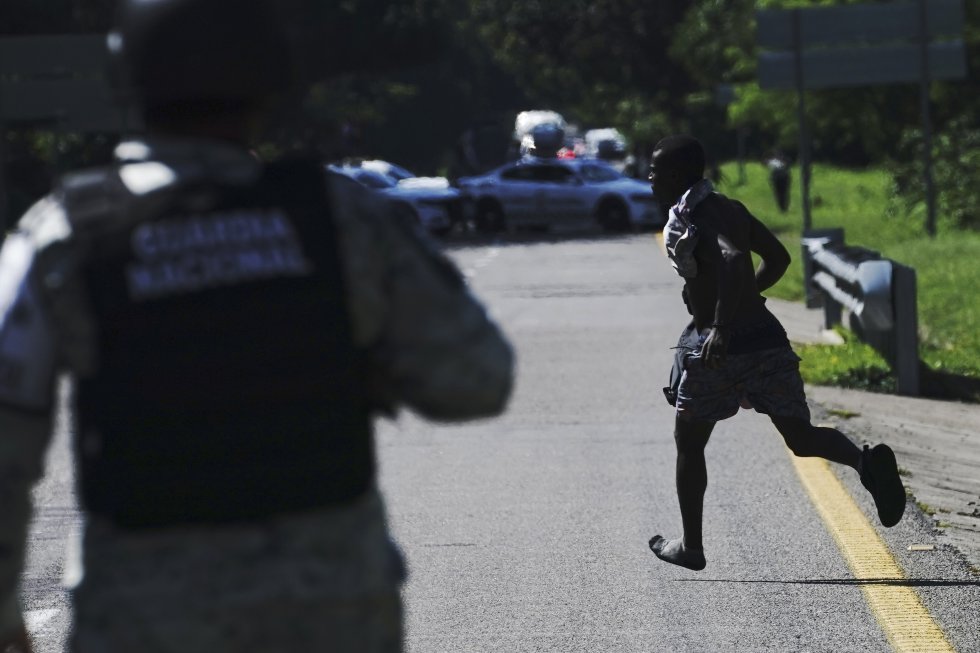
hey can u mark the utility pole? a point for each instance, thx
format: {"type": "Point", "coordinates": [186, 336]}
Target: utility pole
{"type": "Point", "coordinates": [925, 81]}
{"type": "Point", "coordinates": [801, 120]}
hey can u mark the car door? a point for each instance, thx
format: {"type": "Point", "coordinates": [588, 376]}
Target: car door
{"type": "Point", "coordinates": [567, 195]}
{"type": "Point", "coordinates": [518, 194]}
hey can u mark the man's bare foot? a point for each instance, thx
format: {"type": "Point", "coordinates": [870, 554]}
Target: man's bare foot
{"type": "Point", "coordinates": [674, 552]}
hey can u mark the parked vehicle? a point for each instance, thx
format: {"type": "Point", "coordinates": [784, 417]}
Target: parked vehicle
{"type": "Point", "coordinates": [395, 171]}
{"type": "Point", "coordinates": [539, 132]}
{"type": "Point", "coordinates": [431, 201]}
{"type": "Point", "coordinates": [609, 145]}
{"type": "Point", "coordinates": [559, 193]}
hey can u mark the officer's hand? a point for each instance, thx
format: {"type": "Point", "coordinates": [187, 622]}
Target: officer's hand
{"type": "Point", "coordinates": [18, 643]}
{"type": "Point", "coordinates": [715, 348]}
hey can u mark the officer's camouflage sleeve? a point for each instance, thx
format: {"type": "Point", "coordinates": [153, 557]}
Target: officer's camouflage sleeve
{"type": "Point", "coordinates": [27, 372]}
{"type": "Point", "coordinates": [432, 344]}
{"type": "Point", "coordinates": [23, 439]}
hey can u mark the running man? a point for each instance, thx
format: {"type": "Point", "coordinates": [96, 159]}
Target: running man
{"type": "Point", "coordinates": [735, 352]}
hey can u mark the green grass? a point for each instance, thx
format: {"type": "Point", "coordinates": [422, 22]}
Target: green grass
{"type": "Point", "coordinates": [851, 365]}
{"type": "Point", "coordinates": [862, 202]}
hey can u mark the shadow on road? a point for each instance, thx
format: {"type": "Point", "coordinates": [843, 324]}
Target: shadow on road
{"type": "Point", "coordinates": [896, 582]}
{"type": "Point", "coordinates": [938, 384]}
{"type": "Point", "coordinates": [534, 237]}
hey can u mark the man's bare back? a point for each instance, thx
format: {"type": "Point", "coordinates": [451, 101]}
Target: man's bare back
{"type": "Point", "coordinates": [723, 253]}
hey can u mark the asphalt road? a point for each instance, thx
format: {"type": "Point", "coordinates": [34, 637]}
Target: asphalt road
{"type": "Point", "coordinates": [528, 533]}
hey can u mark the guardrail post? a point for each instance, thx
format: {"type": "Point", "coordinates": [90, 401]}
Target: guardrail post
{"type": "Point", "coordinates": [906, 331]}
{"type": "Point", "coordinates": [4, 198]}
{"type": "Point", "coordinates": [879, 294]}
{"type": "Point", "coordinates": [814, 298]}
{"type": "Point", "coordinates": [832, 313]}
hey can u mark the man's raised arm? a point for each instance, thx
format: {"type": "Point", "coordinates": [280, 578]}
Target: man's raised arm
{"type": "Point", "coordinates": [775, 258]}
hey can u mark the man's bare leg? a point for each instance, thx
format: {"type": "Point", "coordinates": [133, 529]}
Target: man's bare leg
{"type": "Point", "coordinates": [691, 438]}
{"type": "Point", "coordinates": [806, 440]}
{"type": "Point", "coordinates": [877, 466]}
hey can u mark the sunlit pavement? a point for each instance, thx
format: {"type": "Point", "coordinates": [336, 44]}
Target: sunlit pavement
{"type": "Point", "coordinates": [528, 533]}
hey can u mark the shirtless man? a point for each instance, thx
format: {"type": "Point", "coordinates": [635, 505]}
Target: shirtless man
{"type": "Point", "coordinates": [735, 352]}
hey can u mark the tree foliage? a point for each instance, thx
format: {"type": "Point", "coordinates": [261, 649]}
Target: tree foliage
{"type": "Point", "coordinates": [411, 75]}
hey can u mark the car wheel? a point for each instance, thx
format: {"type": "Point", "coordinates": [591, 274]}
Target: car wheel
{"type": "Point", "coordinates": [490, 217]}
{"type": "Point", "coordinates": [614, 216]}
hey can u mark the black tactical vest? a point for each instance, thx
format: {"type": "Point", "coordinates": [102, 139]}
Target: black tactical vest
{"type": "Point", "coordinates": [228, 387]}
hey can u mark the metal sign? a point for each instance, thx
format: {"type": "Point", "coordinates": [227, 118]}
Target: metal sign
{"type": "Point", "coordinates": [69, 105]}
{"type": "Point", "coordinates": [66, 55]}
{"type": "Point", "coordinates": [886, 64]}
{"type": "Point", "coordinates": [59, 82]}
{"type": "Point", "coordinates": [859, 45]}
{"type": "Point", "coordinates": [851, 25]}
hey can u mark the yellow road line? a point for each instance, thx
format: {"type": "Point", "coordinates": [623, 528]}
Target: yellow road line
{"type": "Point", "coordinates": [898, 609]}
{"type": "Point", "coordinates": [659, 235]}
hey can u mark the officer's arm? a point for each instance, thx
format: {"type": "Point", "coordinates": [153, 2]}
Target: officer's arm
{"type": "Point", "coordinates": [23, 438]}
{"type": "Point", "coordinates": [430, 344]}
{"type": "Point", "coordinates": [439, 352]}
{"type": "Point", "coordinates": [27, 370]}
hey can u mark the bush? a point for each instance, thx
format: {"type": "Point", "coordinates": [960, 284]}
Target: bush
{"type": "Point", "coordinates": [956, 166]}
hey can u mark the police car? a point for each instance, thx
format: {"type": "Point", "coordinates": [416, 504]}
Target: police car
{"type": "Point", "coordinates": [557, 193]}
{"type": "Point", "coordinates": [433, 205]}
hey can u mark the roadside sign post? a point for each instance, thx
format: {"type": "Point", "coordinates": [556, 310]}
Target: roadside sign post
{"type": "Point", "coordinates": [924, 84]}
{"type": "Point", "coordinates": [3, 180]}
{"type": "Point", "coordinates": [724, 96]}
{"type": "Point", "coordinates": [801, 119]}
{"type": "Point", "coordinates": [862, 45]}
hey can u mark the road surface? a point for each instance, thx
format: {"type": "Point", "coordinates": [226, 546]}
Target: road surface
{"type": "Point", "coordinates": [529, 533]}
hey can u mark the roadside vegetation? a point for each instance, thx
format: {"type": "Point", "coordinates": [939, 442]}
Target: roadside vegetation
{"type": "Point", "coordinates": [864, 203]}
{"type": "Point", "coordinates": [416, 82]}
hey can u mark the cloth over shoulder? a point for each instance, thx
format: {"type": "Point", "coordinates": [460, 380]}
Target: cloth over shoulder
{"type": "Point", "coordinates": [680, 232]}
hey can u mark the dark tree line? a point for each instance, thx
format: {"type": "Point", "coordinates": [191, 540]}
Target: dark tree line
{"type": "Point", "coordinates": [403, 79]}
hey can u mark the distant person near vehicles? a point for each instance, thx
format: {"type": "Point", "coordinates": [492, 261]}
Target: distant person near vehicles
{"type": "Point", "coordinates": [231, 328]}
{"type": "Point", "coordinates": [779, 179]}
{"type": "Point", "coordinates": [735, 352]}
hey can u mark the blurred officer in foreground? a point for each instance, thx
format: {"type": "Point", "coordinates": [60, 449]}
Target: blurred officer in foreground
{"type": "Point", "coordinates": [231, 327]}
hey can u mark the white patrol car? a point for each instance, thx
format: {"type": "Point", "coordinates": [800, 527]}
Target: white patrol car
{"type": "Point", "coordinates": [432, 204]}
{"type": "Point", "coordinates": [559, 193]}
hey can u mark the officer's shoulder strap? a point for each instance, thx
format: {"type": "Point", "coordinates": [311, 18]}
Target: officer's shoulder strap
{"type": "Point", "coordinates": [92, 195]}
{"type": "Point", "coordinates": [302, 171]}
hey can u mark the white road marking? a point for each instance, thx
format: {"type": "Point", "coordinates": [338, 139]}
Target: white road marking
{"type": "Point", "coordinates": [72, 574]}
{"type": "Point", "coordinates": [481, 262]}
{"type": "Point", "coordinates": [35, 619]}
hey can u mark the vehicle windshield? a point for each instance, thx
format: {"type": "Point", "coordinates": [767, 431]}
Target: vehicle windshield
{"type": "Point", "coordinates": [539, 173]}
{"type": "Point", "coordinates": [374, 180]}
{"type": "Point", "coordinates": [396, 172]}
{"type": "Point", "coordinates": [595, 173]}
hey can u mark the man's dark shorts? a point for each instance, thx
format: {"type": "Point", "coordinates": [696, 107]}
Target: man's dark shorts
{"type": "Point", "coordinates": [766, 378]}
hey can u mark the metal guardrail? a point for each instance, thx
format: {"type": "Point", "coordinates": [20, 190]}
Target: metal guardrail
{"type": "Point", "coordinates": [878, 293]}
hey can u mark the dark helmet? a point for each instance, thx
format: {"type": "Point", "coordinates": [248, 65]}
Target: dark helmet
{"type": "Point", "coordinates": [166, 51]}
